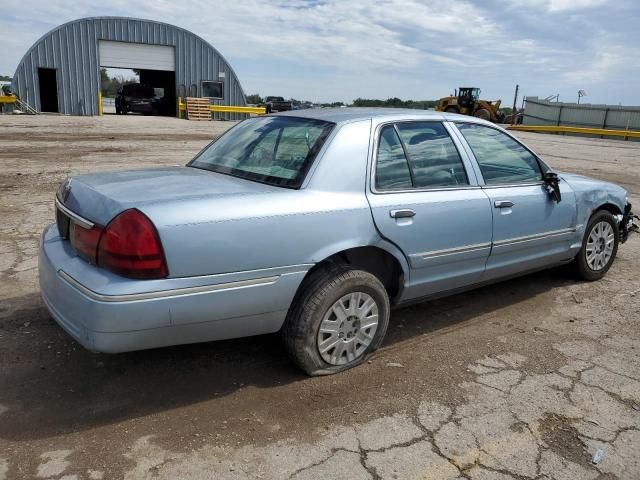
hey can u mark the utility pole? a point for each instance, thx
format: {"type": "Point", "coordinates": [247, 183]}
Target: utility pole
{"type": "Point", "coordinates": [581, 93]}
{"type": "Point", "coordinates": [513, 111]}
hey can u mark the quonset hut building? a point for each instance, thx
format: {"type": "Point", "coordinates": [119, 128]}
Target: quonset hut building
{"type": "Point", "coordinates": [61, 71]}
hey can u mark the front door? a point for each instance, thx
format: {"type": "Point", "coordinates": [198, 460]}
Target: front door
{"type": "Point", "coordinates": [530, 229]}
{"type": "Point", "coordinates": [426, 200]}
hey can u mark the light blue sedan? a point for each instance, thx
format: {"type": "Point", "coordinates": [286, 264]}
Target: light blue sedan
{"type": "Point", "coordinates": [315, 223]}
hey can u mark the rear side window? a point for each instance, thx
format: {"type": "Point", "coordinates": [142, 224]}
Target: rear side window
{"type": "Point", "coordinates": [501, 159]}
{"type": "Point", "coordinates": [423, 155]}
{"type": "Point", "coordinates": [434, 158]}
{"type": "Point", "coordinates": [392, 170]}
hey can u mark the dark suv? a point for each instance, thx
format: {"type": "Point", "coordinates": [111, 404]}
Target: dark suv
{"type": "Point", "coordinates": [140, 98]}
{"type": "Point", "coordinates": [277, 104]}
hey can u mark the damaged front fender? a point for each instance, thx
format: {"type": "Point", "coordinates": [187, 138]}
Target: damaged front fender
{"type": "Point", "coordinates": [627, 223]}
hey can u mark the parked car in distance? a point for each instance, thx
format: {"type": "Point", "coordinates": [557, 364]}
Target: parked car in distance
{"type": "Point", "coordinates": [140, 98]}
{"type": "Point", "coordinates": [315, 223]}
{"type": "Point", "coordinates": [277, 104]}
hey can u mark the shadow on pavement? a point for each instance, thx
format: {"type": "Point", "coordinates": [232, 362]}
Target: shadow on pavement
{"type": "Point", "coordinates": [50, 385]}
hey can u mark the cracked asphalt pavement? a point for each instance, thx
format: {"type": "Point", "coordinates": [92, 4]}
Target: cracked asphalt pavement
{"type": "Point", "coordinates": [525, 379]}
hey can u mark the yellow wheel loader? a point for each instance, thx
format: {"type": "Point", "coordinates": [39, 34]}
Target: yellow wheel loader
{"type": "Point", "coordinates": [467, 102]}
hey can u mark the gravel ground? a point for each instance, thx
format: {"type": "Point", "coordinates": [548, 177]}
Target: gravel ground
{"type": "Point", "coordinates": [524, 379]}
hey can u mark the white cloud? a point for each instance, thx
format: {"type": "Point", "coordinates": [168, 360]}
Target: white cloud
{"type": "Point", "coordinates": [564, 5]}
{"type": "Point", "coordinates": [554, 6]}
{"type": "Point", "coordinates": [596, 67]}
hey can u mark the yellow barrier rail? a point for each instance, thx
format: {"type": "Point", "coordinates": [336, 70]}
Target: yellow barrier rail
{"type": "Point", "coordinates": [8, 99]}
{"type": "Point", "coordinates": [100, 104]}
{"type": "Point", "coordinates": [587, 131]}
{"type": "Point", "coordinates": [233, 109]}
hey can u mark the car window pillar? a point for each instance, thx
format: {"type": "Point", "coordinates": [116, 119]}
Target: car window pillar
{"type": "Point", "coordinates": [406, 156]}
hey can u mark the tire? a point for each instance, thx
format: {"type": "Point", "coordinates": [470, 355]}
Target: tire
{"type": "Point", "coordinates": [313, 307]}
{"type": "Point", "coordinates": [587, 266]}
{"type": "Point", "coordinates": [483, 113]}
{"type": "Point", "coordinates": [118, 111]}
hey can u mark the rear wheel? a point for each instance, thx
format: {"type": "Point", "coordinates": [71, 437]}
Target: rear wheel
{"type": "Point", "coordinates": [339, 317]}
{"type": "Point", "coordinates": [599, 246]}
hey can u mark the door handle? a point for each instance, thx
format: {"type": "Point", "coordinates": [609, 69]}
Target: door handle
{"type": "Point", "coordinates": [503, 204]}
{"type": "Point", "coordinates": [403, 213]}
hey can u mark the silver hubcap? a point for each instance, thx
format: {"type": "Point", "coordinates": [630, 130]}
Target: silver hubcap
{"type": "Point", "coordinates": [348, 328]}
{"type": "Point", "coordinates": [600, 246]}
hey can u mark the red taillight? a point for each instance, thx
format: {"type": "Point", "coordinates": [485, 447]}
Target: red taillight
{"type": "Point", "coordinates": [85, 241]}
{"type": "Point", "coordinates": [130, 246]}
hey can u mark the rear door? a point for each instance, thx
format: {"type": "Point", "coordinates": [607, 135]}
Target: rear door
{"type": "Point", "coordinates": [425, 198]}
{"type": "Point", "coordinates": [530, 229]}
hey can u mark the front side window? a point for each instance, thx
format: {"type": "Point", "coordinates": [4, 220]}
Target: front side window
{"type": "Point", "coordinates": [274, 150]}
{"type": "Point", "coordinates": [501, 159]}
{"type": "Point", "coordinates": [434, 158]}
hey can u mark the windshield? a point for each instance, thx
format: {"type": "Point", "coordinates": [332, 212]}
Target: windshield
{"type": "Point", "coordinates": [274, 150]}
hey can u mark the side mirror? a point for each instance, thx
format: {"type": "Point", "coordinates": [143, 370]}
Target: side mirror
{"type": "Point", "coordinates": [552, 185]}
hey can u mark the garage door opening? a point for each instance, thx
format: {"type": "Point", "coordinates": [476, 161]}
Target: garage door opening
{"type": "Point", "coordinates": [154, 91]}
{"type": "Point", "coordinates": [48, 86]}
{"type": "Point", "coordinates": [111, 81]}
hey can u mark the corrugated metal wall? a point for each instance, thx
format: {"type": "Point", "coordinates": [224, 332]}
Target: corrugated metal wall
{"type": "Point", "coordinates": [72, 49]}
{"type": "Point", "coordinates": [542, 112]}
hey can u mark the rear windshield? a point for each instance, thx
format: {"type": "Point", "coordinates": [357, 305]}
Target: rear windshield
{"type": "Point", "coordinates": [273, 150]}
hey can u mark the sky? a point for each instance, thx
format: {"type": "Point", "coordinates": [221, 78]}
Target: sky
{"type": "Point", "coordinates": [339, 50]}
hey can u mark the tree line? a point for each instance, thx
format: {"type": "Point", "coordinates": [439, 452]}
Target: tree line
{"type": "Point", "coordinates": [359, 102]}
{"type": "Point", "coordinates": [395, 102]}
{"type": "Point", "coordinates": [110, 85]}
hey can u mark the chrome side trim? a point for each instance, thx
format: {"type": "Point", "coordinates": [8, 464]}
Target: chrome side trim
{"type": "Point", "coordinates": [512, 185]}
{"type": "Point", "coordinates": [482, 246]}
{"type": "Point", "coordinates": [434, 189]}
{"type": "Point", "coordinates": [167, 293]}
{"type": "Point", "coordinates": [537, 236]}
{"type": "Point", "coordinates": [452, 251]}
{"type": "Point", "coordinates": [83, 222]}
{"type": "Point", "coordinates": [261, 272]}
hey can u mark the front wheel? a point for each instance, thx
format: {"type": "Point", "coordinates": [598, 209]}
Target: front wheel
{"type": "Point", "coordinates": [483, 113]}
{"type": "Point", "coordinates": [339, 317]}
{"type": "Point", "coordinates": [599, 246]}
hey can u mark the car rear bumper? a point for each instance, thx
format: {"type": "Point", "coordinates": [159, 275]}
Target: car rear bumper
{"type": "Point", "coordinates": [134, 316]}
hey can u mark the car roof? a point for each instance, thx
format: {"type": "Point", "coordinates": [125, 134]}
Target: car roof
{"type": "Point", "coordinates": [353, 114]}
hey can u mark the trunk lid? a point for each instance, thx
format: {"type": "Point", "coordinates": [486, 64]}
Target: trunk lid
{"type": "Point", "coordinates": [101, 196]}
